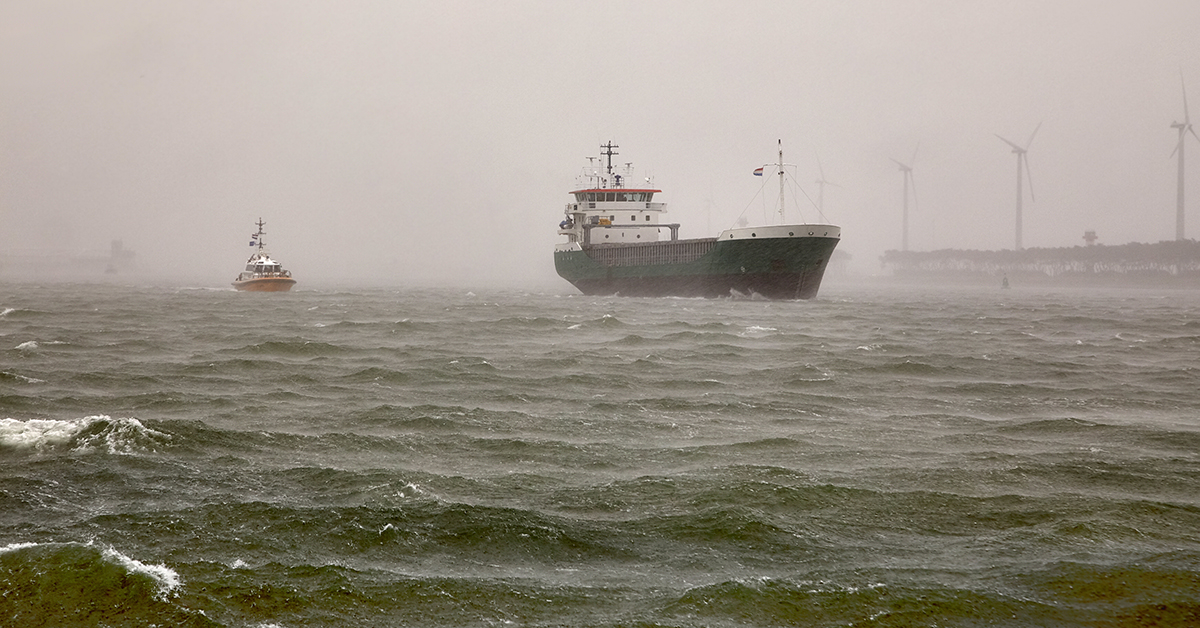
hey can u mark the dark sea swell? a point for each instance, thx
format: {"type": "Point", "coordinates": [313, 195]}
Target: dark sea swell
{"type": "Point", "coordinates": [440, 458]}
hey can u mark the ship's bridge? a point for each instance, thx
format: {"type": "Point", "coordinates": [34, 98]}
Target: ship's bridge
{"type": "Point", "coordinates": [614, 215]}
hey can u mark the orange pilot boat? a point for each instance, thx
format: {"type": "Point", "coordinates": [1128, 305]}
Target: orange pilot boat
{"type": "Point", "coordinates": [262, 273]}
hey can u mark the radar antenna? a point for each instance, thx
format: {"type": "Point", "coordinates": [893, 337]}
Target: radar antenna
{"type": "Point", "coordinates": [609, 152]}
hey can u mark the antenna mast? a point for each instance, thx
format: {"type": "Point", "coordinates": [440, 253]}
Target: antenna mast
{"type": "Point", "coordinates": [609, 152]}
{"type": "Point", "coordinates": [259, 236]}
{"type": "Point", "coordinates": [781, 181]}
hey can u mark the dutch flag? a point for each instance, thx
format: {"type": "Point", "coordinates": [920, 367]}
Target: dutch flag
{"type": "Point", "coordinates": [758, 172]}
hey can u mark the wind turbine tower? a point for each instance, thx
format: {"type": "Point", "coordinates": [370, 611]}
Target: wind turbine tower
{"type": "Point", "coordinates": [1022, 164]}
{"type": "Point", "coordinates": [821, 183]}
{"type": "Point", "coordinates": [908, 179]}
{"type": "Point", "coordinates": [1184, 127]}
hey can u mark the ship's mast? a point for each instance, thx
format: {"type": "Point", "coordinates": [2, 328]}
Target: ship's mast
{"type": "Point", "coordinates": [781, 181]}
{"type": "Point", "coordinates": [609, 152]}
{"type": "Point", "coordinates": [258, 237]}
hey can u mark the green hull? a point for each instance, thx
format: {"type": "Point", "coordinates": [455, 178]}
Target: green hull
{"type": "Point", "coordinates": [776, 268]}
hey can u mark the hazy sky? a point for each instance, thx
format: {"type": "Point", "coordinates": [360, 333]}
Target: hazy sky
{"type": "Point", "coordinates": [420, 142]}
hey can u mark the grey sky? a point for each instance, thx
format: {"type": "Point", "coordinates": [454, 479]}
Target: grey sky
{"type": "Point", "coordinates": [416, 143]}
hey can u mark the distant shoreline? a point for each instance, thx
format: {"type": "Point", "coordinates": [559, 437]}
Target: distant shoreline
{"type": "Point", "coordinates": [1164, 264]}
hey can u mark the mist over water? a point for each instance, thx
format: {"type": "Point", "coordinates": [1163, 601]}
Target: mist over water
{"type": "Point", "coordinates": [410, 144]}
{"type": "Point", "coordinates": [883, 457]}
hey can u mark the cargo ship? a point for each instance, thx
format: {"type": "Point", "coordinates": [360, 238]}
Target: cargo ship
{"type": "Point", "coordinates": [262, 273]}
{"type": "Point", "coordinates": [614, 247]}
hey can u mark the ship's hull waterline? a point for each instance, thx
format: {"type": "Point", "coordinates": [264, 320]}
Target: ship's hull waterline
{"type": "Point", "coordinates": [774, 267]}
{"type": "Point", "coordinates": [265, 284]}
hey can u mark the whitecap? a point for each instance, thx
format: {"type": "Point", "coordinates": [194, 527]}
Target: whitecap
{"type": "Point", "coordinates": [28, 345]}
{"type": "Point", "coordinates": [165, 577]}
{"type": "Point", "coordinates": [37, 433]}
{"type": "Point", "coordinates": [27, 380]}
{"type": "Point", "coordinates": [6, 312]}
{"type": "Point", "coordinates": [120, 436]}
{"type": "Point", "coordinates": [12, 547]}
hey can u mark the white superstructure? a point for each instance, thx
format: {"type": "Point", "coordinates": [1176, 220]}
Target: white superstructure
{"type": "Point", "coordinates": [610, 213]}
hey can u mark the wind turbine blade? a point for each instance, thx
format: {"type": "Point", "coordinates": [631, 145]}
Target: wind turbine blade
{"type": "Point", "coordinates": [903, 167]}
{"type": "Point", "coordinates": [1010, 143]}
{"type": "Point", "coordinates": [1177, 145]}
{"type": "Point", "coordinates": [1184, 88]}
{"type": "Point", "coordinates": [1193, 132]}
{"type": "Point", "coordinates": [1035, 130]}
{"type": "Point", "coordinates": [1028, 175]}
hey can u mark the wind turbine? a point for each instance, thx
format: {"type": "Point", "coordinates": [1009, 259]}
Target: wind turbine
{"type": "Point", "coordinates": [821, 183]}
{"type": "Point", "coordinates": [1022, 159]}
{"type": "Point", "coordinates": [1184, 127]}
{"type": "Point", "coordinates": [908, 178]}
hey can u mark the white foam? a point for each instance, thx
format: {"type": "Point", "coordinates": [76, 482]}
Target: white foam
{"type": "Point", "coordinates": [165, 577]}
{"type": "Point", "coordinates": [36, 433]}
{"type": "Point", "coordinates": [28, 345]}
{"type": "Point", "coordinates": [27, 380]}
{"type": "Point", "coordinates": [12, 547]}
{"type": "Point", "coordinates": [122, 436]}
{"type": "Point", "coordinates": [6, 312]}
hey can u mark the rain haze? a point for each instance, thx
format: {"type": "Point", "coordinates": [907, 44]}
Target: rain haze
{"type": "Point", "coordinates": [403, 143]}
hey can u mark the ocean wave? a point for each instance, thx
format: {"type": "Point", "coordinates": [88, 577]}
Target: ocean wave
{"type": "Point", "coordinates": [121, 436]}
{"type": "Point", "coordinates": [777, 602]}
{"type": "Point", "coordinates": [17, 377]}
{"type": "Point", "coordinates": [83, 584]}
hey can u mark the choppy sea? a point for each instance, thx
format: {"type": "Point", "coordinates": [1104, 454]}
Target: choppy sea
{"type": "Point", "coordinates": [876, 457]}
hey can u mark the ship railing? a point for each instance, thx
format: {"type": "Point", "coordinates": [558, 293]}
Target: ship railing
{"type": "Point", "coordinates": [651, 253]}
{"type": "Point", "coordinates": [617, 205]}
{"type": "Point", "coordinates": [587, 228]}
{"type": "Point", "coordinates": [282, 273]}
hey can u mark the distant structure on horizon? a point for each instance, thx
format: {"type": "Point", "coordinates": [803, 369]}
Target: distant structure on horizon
{"type": "Point", "coordinates": [1022, 158]}
{"type": "Point", "coordinates": [821, 183]}
{"type": "Point", "coordinates": [1089, 236]}
{"type": "Point", "coordinates": [79, 264]}
{"type": "Point", "coordinates": [1171, 263]}
{"type": "Point", "coordinates": [1184, 128]}
{"type": "Point", "coordinates": [906, 168]}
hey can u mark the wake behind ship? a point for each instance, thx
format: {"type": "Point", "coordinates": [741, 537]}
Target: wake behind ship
{"type": "Point", "coordinates": [613, 247]}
